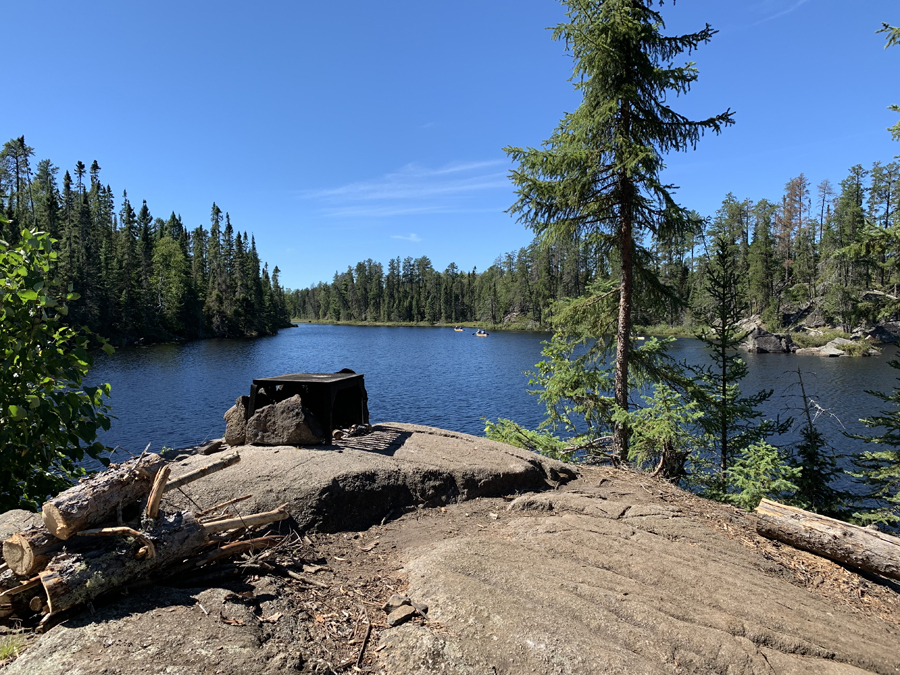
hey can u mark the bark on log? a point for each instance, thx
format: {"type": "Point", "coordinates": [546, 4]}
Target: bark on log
{"type": "Point", "coordinates": [203, 471]}
{"type": "Point", "coordinates": [865, 549]}
{"type": "Point", "coordinates": [28, 552]}
{"type": "Point", "coordinates": [71, 578]}
{"type": "Point", "coordinates": [97, 499]}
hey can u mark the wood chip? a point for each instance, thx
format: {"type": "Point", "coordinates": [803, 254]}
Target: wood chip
{"type": "Point", "coordinates": [368, 548]}
{"type": "Point", "coordinates": [270, 619]}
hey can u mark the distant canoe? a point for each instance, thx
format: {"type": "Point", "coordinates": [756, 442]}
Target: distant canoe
{"type": "Point", "coordinates": [458, 329]}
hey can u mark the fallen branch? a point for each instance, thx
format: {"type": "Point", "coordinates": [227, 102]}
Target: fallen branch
{"type": "Point", "coordinates": [362, 650]}
{"type": "Point", "coordinates": [203, 471]}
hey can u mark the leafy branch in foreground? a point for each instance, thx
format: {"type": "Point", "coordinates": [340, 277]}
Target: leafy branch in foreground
{"type": "Point", "coordinates": [48, 419]}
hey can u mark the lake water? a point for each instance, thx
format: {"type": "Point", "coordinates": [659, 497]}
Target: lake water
{"type": "Point", "coordinates": [175, 394]}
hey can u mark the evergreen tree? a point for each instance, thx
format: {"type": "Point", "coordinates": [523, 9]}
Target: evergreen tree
{"type": "Point", "coordinates": [880, 469]}
{"type": "Point", "coordinates": [599, 171]}
{"type": "Point", "coordinates": [732, 421]}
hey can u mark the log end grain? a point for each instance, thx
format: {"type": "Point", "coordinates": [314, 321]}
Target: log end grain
{"type": "Point", "coordinates": [55, 521]}
{"type": "Point", "coordinates": [18, 554]}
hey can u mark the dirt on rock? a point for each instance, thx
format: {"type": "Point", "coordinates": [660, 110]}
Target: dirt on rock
{"type": "Point", "coordinates": [517, 563]}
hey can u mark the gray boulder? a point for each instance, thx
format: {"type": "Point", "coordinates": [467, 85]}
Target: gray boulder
{"type": "Point", "coordinates": [284, 423]}
{"type": "Point", "coordinates": [760, 341]}
{"type": "Point", "coordinates": [236, 421]}
{"type": "Point", "coordinates": [888, 333]}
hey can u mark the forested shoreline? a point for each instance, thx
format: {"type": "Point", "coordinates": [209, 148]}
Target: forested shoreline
{"type": "Point", "coordinates": [141, 278]}
{"type": "Point", "coordinates": [830, 255]}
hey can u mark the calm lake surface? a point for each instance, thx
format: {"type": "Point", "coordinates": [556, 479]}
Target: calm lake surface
{"type": "Point", "coordinates": [175, 394]}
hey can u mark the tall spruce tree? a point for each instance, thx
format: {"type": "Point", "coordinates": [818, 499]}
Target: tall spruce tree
{"type": "Point", "coordinates": [732, 420]}
{"type": "Point", "coordinates": [599, 173]}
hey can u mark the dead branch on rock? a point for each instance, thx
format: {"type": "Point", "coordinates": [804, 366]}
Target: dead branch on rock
{"type": "Point", "coordinates": [197, 474]}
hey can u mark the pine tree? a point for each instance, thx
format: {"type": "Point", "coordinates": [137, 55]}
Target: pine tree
{"type": "Point", "coordinates": [732, 421]}
{"type": "Point", "coordinates": [599, 171]}
{"type": "Point", "coordinates": [893, 38]}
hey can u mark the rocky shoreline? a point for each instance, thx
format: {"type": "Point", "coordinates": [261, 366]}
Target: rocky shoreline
{"type": "Point", "coordinates": [505, 562]}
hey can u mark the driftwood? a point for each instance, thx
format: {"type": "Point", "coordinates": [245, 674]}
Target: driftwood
{"type": "Point", "coordinates": [93, 501]}
{"type": "Point", "coordinates": [72, 578]}
{"type": "Point", "coordinates": [29, 551]}
{"type": "Point", "coordinates": [197, 474]}
{"type": "Point", "coordinates": [868, 550]}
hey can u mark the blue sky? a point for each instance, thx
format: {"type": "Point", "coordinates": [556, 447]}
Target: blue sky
{"type": "Point", "coordinates": [337, 133]}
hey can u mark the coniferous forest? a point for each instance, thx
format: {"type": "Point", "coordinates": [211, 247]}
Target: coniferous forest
{"type": "Point", "coordinates": [141, 278]}
{"type": "Point", "coordinates": [827, 253]}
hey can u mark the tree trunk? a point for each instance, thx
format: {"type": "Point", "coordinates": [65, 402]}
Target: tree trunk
{"type": "Point", "coordinates": [72, 578]}
{"type": "Point", "coordinates": [865, 549]}
{"type": "Point", "coordinates": [28, 552]}
{"type": "Point", "coordinates": [98, 498]}
{"type": "Point", "coordinates": [623, 331]}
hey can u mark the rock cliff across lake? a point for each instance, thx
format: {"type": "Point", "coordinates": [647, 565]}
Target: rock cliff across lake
{"type": "Point", "coordinates": [501, 561]}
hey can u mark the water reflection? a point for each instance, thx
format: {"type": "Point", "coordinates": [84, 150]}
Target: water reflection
{"type": "Point", "coordinates": [175, 394]}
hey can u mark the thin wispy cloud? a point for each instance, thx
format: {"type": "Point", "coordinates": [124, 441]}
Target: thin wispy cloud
{"type": "Point", "coordinates": [413, 190]}
{"type": "Point", "coordinates": [407, 237]}
{"type": "Point", "coordinates": [769, 5]}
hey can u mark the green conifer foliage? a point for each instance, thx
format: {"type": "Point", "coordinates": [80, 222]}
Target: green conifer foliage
{"type": "Point", "coordinates": [598, 174]}
{"type": "Point", "coordinates": [880, 469]}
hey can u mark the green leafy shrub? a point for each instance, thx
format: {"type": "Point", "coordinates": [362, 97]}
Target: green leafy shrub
{"type": "Point", "coordinates": [48, 420]}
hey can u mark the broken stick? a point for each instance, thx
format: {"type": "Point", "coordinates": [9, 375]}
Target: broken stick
{"type": "Point", "coordinates": [197, 474]}
{"type": "Point", "coordinates": [157, 492]}
{"type": "Point", "coordinates": [230, 502]}
{"type": "Point", "coordinates": [247, 521]}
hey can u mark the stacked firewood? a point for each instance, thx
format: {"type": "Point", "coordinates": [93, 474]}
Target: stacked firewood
{"type": "Point", "coordinates": [109, 532]}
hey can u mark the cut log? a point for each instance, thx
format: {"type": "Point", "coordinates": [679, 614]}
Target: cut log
{"type": "Point", "coordinates": [98, 498]}
{"type": "Point", "coordinates": [72, 578]}
{"type": "Point", "coordinates": [868, 550]}
{"type": "Point", "coordinates": [247, 521]}
{"type": "Point", "coordinates": [203, 471]}
{"type": "Point", "coordinates": [29, 551]}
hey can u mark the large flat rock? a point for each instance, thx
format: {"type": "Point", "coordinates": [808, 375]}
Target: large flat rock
{"type": "Point", "coordinates": [363, 480]}
{"type": "Point", "coordinates": [611, 580]}
{"type": "Point", "coordinates": [608, 572]}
